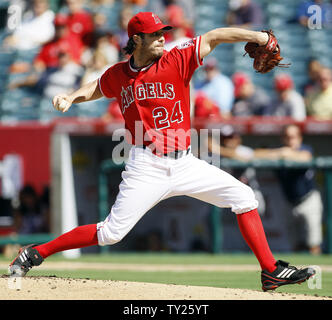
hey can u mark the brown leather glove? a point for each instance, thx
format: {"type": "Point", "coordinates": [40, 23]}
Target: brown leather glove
{"type": "Point", "coordinates": [265, 57]}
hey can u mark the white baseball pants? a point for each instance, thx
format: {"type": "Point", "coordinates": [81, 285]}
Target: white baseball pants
{"type": "Point", "coordinates": [149, 179]}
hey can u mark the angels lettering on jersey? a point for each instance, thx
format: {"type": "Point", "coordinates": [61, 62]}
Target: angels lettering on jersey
{"type": "Point", "coordinates": [145, 91]}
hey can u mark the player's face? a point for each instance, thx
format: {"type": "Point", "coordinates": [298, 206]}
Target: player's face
{"type": "Point", "coordinates": [153, 44]}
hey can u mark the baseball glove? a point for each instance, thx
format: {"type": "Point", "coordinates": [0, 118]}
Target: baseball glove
{"type": "Point", "coordinates": [265, 57]}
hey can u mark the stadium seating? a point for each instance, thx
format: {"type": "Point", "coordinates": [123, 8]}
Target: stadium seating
{"type": "Point", "coordinates": [298, 44]}
{"type": "Point", "coordinates": [19, 104]}
{"type": "Point", "coordinates": [6, 59]}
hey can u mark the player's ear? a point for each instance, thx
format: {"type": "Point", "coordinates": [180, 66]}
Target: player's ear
{"type": "Point", "coordinates": [137, 39]}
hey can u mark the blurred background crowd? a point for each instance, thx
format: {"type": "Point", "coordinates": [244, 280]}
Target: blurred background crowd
{"type": "Point", "coordinates": [52, 46]}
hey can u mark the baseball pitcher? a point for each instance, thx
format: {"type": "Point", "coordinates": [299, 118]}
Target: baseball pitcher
{"type": "Point", "coordinates": [152, 88]}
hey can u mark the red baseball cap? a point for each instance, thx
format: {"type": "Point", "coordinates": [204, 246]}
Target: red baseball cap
{"type": "Point", "coordinates": [60, 20]}
{"type": "Point", "coordinates": [145, 22]}
{"type": "Point", "coordinates": [283, 82]}
{"type": "Point", "coordinates": [239, 79]}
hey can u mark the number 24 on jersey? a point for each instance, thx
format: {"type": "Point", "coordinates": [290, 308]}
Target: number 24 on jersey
{"type": "Point", "coordinates": [162, 119]}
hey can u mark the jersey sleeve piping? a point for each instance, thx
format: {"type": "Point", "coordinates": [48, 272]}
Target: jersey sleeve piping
{"type": "Point", "coordinates": [101, 90]}
{"type": "Point", "coordinates": [198, 47]}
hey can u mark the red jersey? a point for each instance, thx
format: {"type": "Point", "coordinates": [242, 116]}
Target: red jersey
{"type": "Point", "coordinates": [49, 53]}
{"type": "Point", "coordinates": [155, 100]}
{"type": "Point", "coordinates": [81, 24]}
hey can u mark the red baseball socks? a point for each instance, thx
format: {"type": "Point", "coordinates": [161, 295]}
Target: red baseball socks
{"type": "Point", "coordinates": [251, 227]}
{"type": "Point", "coordinates": [83, 236]}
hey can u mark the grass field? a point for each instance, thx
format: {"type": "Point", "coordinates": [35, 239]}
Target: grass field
{"type": "Point", "coordinates": [246, 274]}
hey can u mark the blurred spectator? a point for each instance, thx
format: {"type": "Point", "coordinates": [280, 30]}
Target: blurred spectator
{"type": "Point", "coordinates": [63, 41]}
{"type": "Point", "coordinates": [29, 216]}
{"type": "Point", "coordinates": [79, 21]}
{"type": "Point", "coordinates": [304, 12]}
{"type": "Point", "coordinates": [96, 68]}
{"type": "Point", "coordinates": [313, 69]}
{"type": "Point", "coordinates": [231, 147]}
{"type": "Point", "coordinates": [245, 14]}
{"type": "Point", "coordinates": [175, 16]}
{"type": "Point", "coordinates": [140, 3]}
{"type": "Point", "coordinates": [178, 36]}
{"type": "Point", "coordinates": [99, 21]}
{"type": "Point", "coordinates": [250, 100]}
{"type": "Point", "coordinates": [188, 7]}
{"type": "Point", "coordinates": [100, 10]}
{"type": "Point", "coordinates": [63, 78]}
{"type": "Point", "coordinates": [122, 34]}
{"type": "Point", "coordinates": [113, 112]}
{"type": "Point", "coordinates": [205, 108]}
{"type": "Point", "coordinates": [217, 87]}
{"type": "Point", "coordinates": [178, 13]}
{"type": "Point", "coordinates": [298, 185]}
{"type": "Point", "coordinates": [103, 42]}
{"type": "Point", "coordinates": [319, 101]}
{"type": "Point", "coordinates": [96, 5]}
{"type": "Point", "coordinates": [36, 28]}
{"type": "Point", "coordinates": [288, 102]}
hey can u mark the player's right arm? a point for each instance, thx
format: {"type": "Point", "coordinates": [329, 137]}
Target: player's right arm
{"type": "Point", "coordinates": [88, 92]}
{"type": "Point", "coordinates": [217, 36]}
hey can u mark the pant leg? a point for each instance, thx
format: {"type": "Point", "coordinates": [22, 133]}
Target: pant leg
{"type": "Point", "coordinates": [142, 187]}
{"type": "Point", "coordinates": [198, 179]}
{"type": "Point", "coordinates": [311, 212]}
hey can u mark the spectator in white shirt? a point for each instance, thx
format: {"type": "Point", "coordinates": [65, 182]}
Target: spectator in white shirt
{"type": "Point", "coordinates": [36, 28]}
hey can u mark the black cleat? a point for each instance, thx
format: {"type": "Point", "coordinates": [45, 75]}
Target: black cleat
{"type": "Point", "coordinates": [27, 258]}
{"type": "Point", "coordinates": [284, 274]}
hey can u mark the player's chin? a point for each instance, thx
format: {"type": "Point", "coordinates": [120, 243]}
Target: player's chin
{"type": "Point", "coordinates": [158, 52]}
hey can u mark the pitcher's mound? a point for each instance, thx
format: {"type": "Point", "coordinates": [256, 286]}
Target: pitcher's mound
{"type": "Point", "coordinates": [52, 288]}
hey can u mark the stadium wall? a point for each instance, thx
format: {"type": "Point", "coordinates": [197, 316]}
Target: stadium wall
{"type": "Point", "coordinates": [32, 142]}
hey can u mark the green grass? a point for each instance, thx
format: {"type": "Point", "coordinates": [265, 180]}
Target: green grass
{"type": "Point", "coordinates": [199, 258]}
{"type": "Point", "coordinates": [240, 279]}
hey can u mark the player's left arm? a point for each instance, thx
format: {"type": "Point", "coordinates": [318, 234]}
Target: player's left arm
{"type": "Point", "coordinates": [217, 36]}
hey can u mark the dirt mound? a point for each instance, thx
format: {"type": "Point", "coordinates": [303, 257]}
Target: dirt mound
{"type": "Point", "coordinates": [53, 288]}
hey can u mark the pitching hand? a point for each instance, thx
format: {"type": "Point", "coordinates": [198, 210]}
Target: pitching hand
{"type": "Point", "coordinates": [62, 102]}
